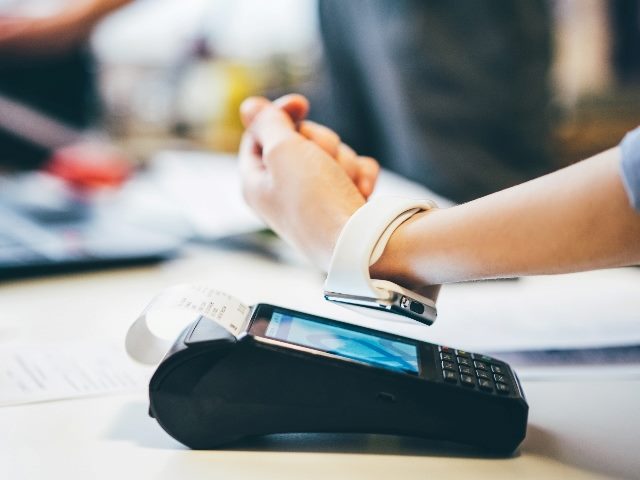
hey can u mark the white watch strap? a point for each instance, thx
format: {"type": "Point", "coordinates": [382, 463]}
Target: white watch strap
{"type": "Point", "coordinates": [362, 241]}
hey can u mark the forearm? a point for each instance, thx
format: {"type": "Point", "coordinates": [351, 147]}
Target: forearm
{"type": "Point", "coordinates": [575, 219]}
{"type": "Point", "coordinates": [53, 35]}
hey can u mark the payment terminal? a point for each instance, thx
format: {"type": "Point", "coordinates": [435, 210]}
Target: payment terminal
{"type": "Point", "coordinates": [275, 370]}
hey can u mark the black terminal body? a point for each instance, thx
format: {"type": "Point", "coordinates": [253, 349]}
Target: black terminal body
{"type": "Point", "coordinates": [293, 372]}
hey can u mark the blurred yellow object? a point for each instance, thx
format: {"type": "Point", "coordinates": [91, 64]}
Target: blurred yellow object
{"type": "Point", "coordinates": [225, 131]}
{"type": "Point", "coordinates": [238, 81]}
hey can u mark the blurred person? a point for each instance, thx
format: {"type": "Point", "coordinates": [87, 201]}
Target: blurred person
{"type": "Point", "coordinates": [453, 95]}
{"type": "Point", "coordinates": [45, 66]}
{"type": "Point", "coordinates": [586, 216]}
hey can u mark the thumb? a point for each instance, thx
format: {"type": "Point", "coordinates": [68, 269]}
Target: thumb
{"type": "Point", "coordinates": [296, 105]}
{"type": "Point", "coordinates": [270, 125]}
{"type": "Point", "coordinates": [250, 107]}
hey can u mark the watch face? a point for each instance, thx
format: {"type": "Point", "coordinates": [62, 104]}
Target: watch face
{"type": "Point", "coordinates": [398, 308]}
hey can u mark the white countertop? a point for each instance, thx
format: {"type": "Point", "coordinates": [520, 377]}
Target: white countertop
{"type": "Point", "coordinates": [578, 428]}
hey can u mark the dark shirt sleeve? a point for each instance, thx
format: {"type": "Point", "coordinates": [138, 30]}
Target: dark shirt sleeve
{"type": "Point", "coordinates": [630, 166]}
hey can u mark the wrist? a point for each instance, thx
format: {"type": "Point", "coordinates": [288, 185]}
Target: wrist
{"type": "Point", "coordinates": [400, 257]}
{"type": "Point", "coordinates": [320, 242]}
{"type": "Point", "coordinates": [362, 242]}
{"type": "Point", "coordinates": [333, 233]}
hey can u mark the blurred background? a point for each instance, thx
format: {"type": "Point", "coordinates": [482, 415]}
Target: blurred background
{"type": "Point", "coordinates": [163, 73]}
{"type": "Point", "coordinates": [177, 71]}
{"type": "Point", "coordinates": [171, 71]}
{"type": "Point", "coordinates": [101, 96]}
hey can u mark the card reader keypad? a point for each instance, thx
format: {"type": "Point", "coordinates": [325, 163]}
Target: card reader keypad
{"type": "Point", "coordinates": [472, 370]}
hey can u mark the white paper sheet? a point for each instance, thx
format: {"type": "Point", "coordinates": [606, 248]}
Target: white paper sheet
{"type": "Point", "coordinates": [580, 310]}
{"type": "Point", "coordinates": [206, 189]}
{"type": "Point", "coordinates": [198, 195]}
{"type": "Point", "coordinates": [574, 373]}
{"type": "Point", "coordinates": [43, 372]}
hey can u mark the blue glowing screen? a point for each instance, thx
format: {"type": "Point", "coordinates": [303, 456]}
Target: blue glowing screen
{"type": "Point", "coordinates": [345, 342]}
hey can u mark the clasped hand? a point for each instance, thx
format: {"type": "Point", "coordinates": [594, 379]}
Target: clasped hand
{"type": "Point", "coordinates": [298, 175]}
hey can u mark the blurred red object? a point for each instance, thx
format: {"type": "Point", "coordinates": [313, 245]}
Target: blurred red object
{"type": "Point", "coordinates": [90, 165]}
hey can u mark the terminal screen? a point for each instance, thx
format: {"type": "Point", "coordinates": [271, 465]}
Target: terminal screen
{"type": "Point", "coordinates": [345, 342]}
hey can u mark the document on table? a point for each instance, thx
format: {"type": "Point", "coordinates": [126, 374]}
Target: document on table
{"type": "Point", "coordinates": [580, 310]}
{"type": "Point", "coordinates": [198, 195]}
{"type": "Point", "coordinates": [577, 320]}
{"type": "Point", "coordinates": [574, 311]}
{"type": "Point", "coordinates": [42, 372]}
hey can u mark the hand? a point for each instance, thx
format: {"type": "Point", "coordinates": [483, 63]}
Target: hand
{"type": "Point", "coordinates": [362, 170]}
{"type": "Point", "coordinates": [299, 189]}
{"type": "Point", "coordinates": [53, 35]}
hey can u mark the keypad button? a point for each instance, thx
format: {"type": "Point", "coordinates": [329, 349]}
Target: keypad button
{"type": "Point", "coordinates": [481, 365]}
{"type": "Point", "coordinates": [483, 374]}
{"type": "Point", "coordinates": [464, 362]}
{"type": "Point", "coordinates": [445, 349]}
{"type": "Point", "coordinates": [497, 369]}
{"type": "Point", "coordinates": [500, 378]}
{"type": "Point", "coordinates": [449, 376]}
{"type": "Point", "coordinates": [449, 366]}
{"type": "Point", "coordinates": [462, 353]}
{"type": "Point", "coordinates": [467, 380]}
{"type": "Point", "coordinates": [447, 356]}
{"type": "Point", "coordinates": [485, 384]}
{"type": "Point", "coordinates": [466, 370]}
{"type": "Point", "coordinates": [502, 388]}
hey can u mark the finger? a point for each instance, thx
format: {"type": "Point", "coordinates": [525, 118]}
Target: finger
{"type": "Point", "coordinates": [251, 167]}
{"type": "Point", "coordinates": [368, 171]}
{"type": "Point", "coordinates": [296, 105]}
{"type": "Point", "coordinates": [249, 156]}
{"type": "Point", "coordinates": [271, 126]}
{"type": "Point", "coordinates": [348, 160]}
{"type": "Point", "coordinates": [250, 107]}
{"type": "Point", "coordinates": [323, 136]}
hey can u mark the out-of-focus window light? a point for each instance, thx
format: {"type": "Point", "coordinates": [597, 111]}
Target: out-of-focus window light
{"type": "Point", "coordinates": [582, 51]}
{"type": "Point", "coordinates": [155, 31]}
{"type": "Point", "coordinates": [180, 69]}
{"type": "Point", "coordinates": [595, 76]}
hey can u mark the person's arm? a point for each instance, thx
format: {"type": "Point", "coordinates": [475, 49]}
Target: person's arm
{"type": "Point", "coordinates": [56, 34]}
{"type": "Point", "coordinates": [577, 218]}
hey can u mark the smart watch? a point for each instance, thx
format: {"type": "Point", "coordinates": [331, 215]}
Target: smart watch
{"type": "Point", "coordinates": [360, 245]}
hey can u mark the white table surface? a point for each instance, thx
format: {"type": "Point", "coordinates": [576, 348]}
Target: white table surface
{"type": "Point", "coordinates": [581, 428]}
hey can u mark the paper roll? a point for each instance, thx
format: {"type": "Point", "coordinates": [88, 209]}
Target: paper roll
{"type": "Point", "coordinates": [150, 337]}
